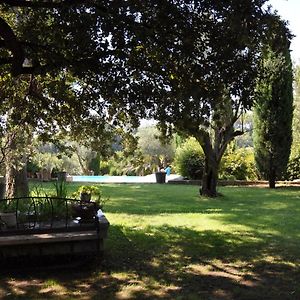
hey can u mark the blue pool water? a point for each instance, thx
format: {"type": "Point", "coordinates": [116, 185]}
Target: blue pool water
{"type": "Point", "coordinates": [115, 179]}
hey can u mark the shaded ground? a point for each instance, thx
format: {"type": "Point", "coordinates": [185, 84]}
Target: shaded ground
{"type": "Point", "coordinates": [172, 271]}
{"type": "Point", "coordinates": [243, 246]}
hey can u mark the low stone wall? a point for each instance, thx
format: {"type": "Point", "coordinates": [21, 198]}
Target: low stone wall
{"type": "Point", "coordinates": [236, 182]}
{"type": "Point", "coordinates": [86, 242]}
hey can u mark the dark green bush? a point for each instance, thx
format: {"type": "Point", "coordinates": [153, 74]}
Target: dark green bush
{"type": "Point", "coordinates": [94, 165]}
{"type": "Point", "coordinates": [293, 168]}
{"type": "Point", "coordinates": [189, 160]}
{"type": "Point", "coordinates": [32, 167]}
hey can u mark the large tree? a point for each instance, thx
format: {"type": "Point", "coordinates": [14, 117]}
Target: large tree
{"type": "Point", "coordinates": [189, 64]}
{"type": "Point", "coordinates": [274, 105]}
{"type": "Point", "coordinates": [212, 78]}
{"type": "Point", "coordinates": [200, 77]}
{"type": "Point", "coordinates": [16, 133]}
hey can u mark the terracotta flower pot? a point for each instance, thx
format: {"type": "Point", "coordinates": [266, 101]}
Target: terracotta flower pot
{"type": "Point", "coordinates": [86, 212]}
{"type": "Point", "coordinates": [86, 197]}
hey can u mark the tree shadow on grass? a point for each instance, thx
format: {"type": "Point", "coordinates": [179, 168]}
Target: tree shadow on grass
{"type": "Point", "coordinates": [212, 264]}
{"type": "Point", "coordinates": [166, 262]}
{"type": "Point", "coordinates": [260, 261]}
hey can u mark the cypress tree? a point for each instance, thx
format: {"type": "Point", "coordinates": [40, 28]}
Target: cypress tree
{"type": "Point", "coordinates": [296, 119]}
{"type": "Point", "coordinates": [273, 111]}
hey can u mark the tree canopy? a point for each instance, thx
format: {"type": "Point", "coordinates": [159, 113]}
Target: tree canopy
{"type": "Point", "coordinates": [189, 64]}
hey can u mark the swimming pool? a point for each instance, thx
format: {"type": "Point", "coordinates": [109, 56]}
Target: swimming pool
{"type": "Point", "coordinates": [121, 179]}
{"type": "Point", "coordinates": [115, 179]}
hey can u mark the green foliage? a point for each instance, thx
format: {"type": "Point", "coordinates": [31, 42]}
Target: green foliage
{"type": "Point", "coordinates": [61, 188]}
{"type": "Point", "coordinates": [151, 145]}
{"type": "Point", "coordinates": [94, 164]}
{"type": "Point", "coordinates": [70, 164]}
{"type": "Point", "coordinates": [141, 155]}
{"type": "Point", "coordinates": [37, 190]}
{"type": "Point", "coordinates": [32, 167]}
{"type": "Point", "coordinates": [88, 189]}
{"type": "Point", "coordinates": [219, 85]}
{"type": "Point", "coordinates": [70, 157]}
{"type": "Point", "coordinates": [189, 159]}
{"type": "Point", "coordinates": [238, 165]}
{"type": "Point", "coordinates": [7, 207]}
{"type": "Point", "coordinates": [142, 69]}
{"type": "Point", "coordinates": [118, 164]}
{"type": "Point", "coordinates": [274, 106]}
{"type": "Point", "coordinates": [245, 125]}
{"type": "Point", "coordinates": [47, 161]}
{"type": "Point", "coordinates": [104, 167]}
{"type": "Point", "coordinates": [134, 164]}
{"type": "Point", "coordinates": [94, 191]}
{"type": "Point", "coordinates": [293, 168]}
{"type": "Point", "coordinates": [296, 117]}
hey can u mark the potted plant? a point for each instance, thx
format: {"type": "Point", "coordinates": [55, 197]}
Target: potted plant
{"type": "Point", "coordinates": [87, 192]}
{"type": "Point", "coordinates": [86, 210]}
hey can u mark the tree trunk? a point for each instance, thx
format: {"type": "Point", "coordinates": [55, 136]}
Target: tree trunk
{"type": "Point", "coordinates": [272, 173]}
{"type": "Point", "coordinates": [16, 182]}
{"type": "Point", "coordinates": [16, 165]}
{"type": "Point", "coordinates": [214, 149]}
{"type": "Point", "coordinates": [272, 179]}
{"type": "Point", "coordinates": [210, 178]}
{"type": "Point", "coordinates": [82, 164]}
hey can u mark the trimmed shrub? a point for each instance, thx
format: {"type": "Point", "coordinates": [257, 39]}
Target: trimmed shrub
{"type": "Point", "coordinates": [238, 165]}
{"type": "Point", "coordinates": [189, 159]}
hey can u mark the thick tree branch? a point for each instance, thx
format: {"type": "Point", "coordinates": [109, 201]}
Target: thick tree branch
{"type": "Point", "coordinates": [13, 45]}
{"type": "Point", "coordinates": [52, 4]}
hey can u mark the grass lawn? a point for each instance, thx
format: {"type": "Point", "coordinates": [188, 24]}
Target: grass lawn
{"type": "Point", "coordinates": [167, 242]}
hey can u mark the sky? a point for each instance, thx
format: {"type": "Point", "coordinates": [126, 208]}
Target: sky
{"type": "Point", "coordinates": [290, 10]}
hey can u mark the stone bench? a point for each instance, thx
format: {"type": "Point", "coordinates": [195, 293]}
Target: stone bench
{"type": "Point", "coordinates": [34, 234]}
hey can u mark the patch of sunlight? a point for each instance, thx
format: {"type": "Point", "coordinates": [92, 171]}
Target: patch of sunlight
{"type": "Point", "coordinates": [275, 205]}
{"type": "Point", "coordinates": [123, 275]}
{"type": "Point", "coordinates": [236, 271]}
{"type": "Point", "coordinates": [277, 259]}
{"type": "Point", "coordinates": [50, 283]}
{"type": "Point", "coordinates": [136, 187]}
{"type": "Point", "coordinates": [195, 221]}
{"type": "Point", "coordinates": [249, 237]}
{"type": "Point", "coordinates": [17, 290]}
{"type": "Point", "coordinates": [270, 259]}
{"type": "Point", "coordinates": [155, 262]}
{"type": "Point", "coordinates": [54, 287]}
{"type": "Point", "coordinates": [148, 287]}
{"type": "Point", "coordinates": [19, 287]}
{"type": "Point", "coordinates": [176, 256]}
{"type": "Point", "coordinates": [267, 232]}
